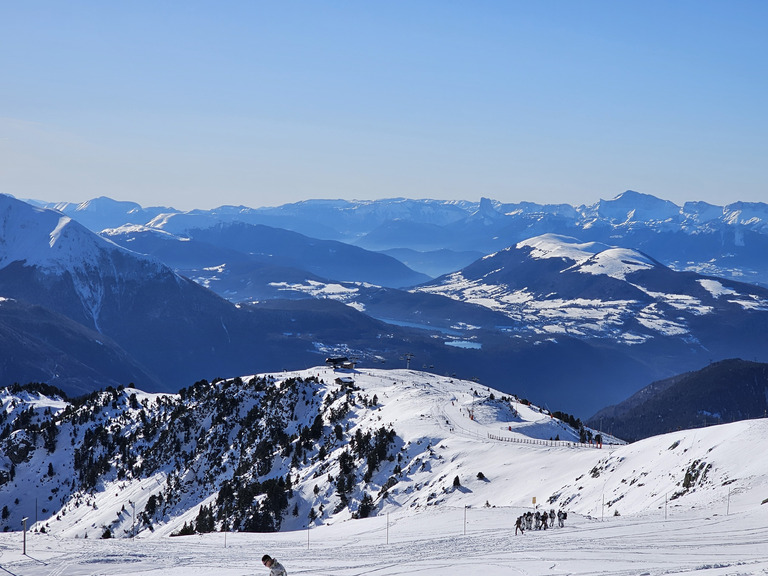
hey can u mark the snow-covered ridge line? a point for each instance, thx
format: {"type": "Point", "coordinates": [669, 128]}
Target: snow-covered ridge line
{"type": "Point", "coordinates": [626, 208]}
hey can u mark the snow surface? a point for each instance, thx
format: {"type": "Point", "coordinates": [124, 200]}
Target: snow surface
{"type": "Point", "coordinates": [557, 246]}
{"type": "Point", "coordinates": [716, 288]}
{"type": "Point", "coordinates": [437, 542]}
{"type": "Point", "coordinates": [688, 502]}
{"type": "Point", "coordinates": [617, 263]}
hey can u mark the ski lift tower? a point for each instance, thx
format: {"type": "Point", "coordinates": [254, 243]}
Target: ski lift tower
{"type": "Point", "coordinates": [407, 357]}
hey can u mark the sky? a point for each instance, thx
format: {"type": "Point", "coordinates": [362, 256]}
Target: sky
{"type": "Point", "coordinates": [198, 104]}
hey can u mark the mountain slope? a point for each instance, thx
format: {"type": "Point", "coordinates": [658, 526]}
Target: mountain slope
{"type": "Point", "coordinates": [173, 327]}
{"type": "Point", "coordinates": [317, 446]}
{"type": "Point", "coordinates": [41, 346]}
{"type": "Point", "coordinates": [724, 391]}
{"type": "Point", "coordinates": [324, 258]}
{"type": "Point", "coordinates": [232, 274]}
{"type": "Point", "coordinates": [239, 260]}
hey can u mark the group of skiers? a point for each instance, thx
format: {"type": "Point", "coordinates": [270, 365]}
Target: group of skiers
{"type": "Point", "coordinates": [528, 521]}
{"type": "Point", "coordinates": [539, 520]}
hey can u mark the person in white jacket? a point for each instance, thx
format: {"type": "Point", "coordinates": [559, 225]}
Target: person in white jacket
{"type": "Point", "coordinates": [275, 568]}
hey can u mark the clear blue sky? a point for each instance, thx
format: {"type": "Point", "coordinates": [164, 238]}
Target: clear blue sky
{"type": "Point", "coordinates": [198, 104]}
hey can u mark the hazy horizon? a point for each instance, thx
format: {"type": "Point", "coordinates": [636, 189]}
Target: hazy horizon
{"type": "Point", "coordinates": [48, 201]}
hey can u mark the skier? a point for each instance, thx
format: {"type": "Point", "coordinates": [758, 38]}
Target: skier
{"type": "Point", "coordinates": [275, 568]}
{"type": "Point", "coordinates": [519, 525]}
{"type": "Point", "coordinates": [560, 518]}
{"type": "Point", "coordinates": [552, 518]}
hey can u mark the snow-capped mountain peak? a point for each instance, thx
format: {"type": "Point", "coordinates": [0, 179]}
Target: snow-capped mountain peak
{"type": "Point", "coordinates": [47, 239]}
{"type": "Point", "coordinates": [589, 257]}
{"type": "Point", "coordinates": [69, 257]}
{"type": "Point", "coordinates": [617, 263]}
{"type": "Point", "coordinates": [636, 206]}
{"type": "Point", "coordinates": [558, 246]}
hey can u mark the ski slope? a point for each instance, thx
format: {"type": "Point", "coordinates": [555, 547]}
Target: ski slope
{"type": "Point", "coordinates": [434, 542]}
{"type": "Point", "coordinates": [689, 502]}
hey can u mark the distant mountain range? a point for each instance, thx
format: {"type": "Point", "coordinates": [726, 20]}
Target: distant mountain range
{"type": "Point", "coordinates": [577, 322]}
{"type": "Point", "coordinates": [728, 241]}
{"type": "Point", "coordinates": [170, 331]}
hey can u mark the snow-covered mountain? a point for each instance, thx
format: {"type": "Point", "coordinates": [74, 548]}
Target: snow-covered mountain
{"type": "Point", "coordinates": [48, 257]}
{"type": "Point", "coordinates": [171, 331]}
{"type": "Point", "coordinates": [122, 460]}
{"type": "Point", "coordinates": [100, 213]}
{"type": "Point", "coordinates": [582, 323]}
{"type": "Point", "coordinates": [317, 447]}
{"type": "Point", "coordinates": [555, 285]}
{"type": "Point", "coordinates": [609, 314]}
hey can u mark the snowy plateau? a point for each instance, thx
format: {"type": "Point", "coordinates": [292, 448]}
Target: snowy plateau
{"type": "Point", "coordinates": [456, 463]}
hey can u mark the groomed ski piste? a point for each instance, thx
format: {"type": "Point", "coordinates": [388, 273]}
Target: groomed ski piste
{"type": "Point", "coordinates": [689, 502]}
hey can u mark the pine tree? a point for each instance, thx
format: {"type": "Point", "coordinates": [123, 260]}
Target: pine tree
{"type": "Point", "coordinates": [366, 505]}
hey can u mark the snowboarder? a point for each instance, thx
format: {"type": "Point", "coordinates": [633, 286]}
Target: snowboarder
{"type": "Point", "coordinates": [275, 568]}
